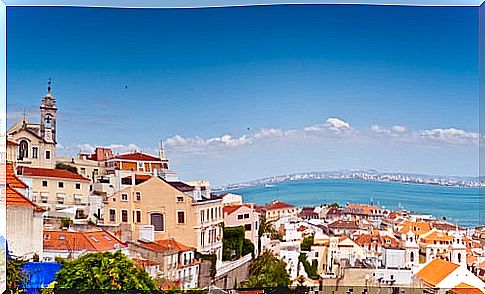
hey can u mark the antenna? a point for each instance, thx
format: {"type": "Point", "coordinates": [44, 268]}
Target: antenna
{"type": "Point", "coordinates": [49, 82]}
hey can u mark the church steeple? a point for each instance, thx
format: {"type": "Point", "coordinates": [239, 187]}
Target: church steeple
{"type": "Point", "coordinates": [48, 113]}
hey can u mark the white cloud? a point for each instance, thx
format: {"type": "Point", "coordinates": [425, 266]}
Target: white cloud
{"type": "Point", "coordinates": [337, 125]}
{"type": "Point", "coordinates": [394, 131]}
{"type": "Point", "coordinates": [331, 126]}
{"type": "Point", "coordinates": [451, 136]}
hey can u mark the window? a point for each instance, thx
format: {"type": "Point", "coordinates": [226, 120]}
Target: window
{"type": "Point", "coordinates": [124, 215]}
{"type": "Point", "coordinates": [47, 237]}
{"type": "Point", "coordinates": [83, 170]}
{"type": "Point", "coordinates": [202, 215]}
{"type": "Point", "coordinates": [44, 183]}
{"type": "Point", "coordinates": [180, 198]}
{"type": "Point", "coordinates": [181, 217]}
{"type": "Point", "coordinates": [247, 227]}
{"type": "Point", "coordinates": [112, 215]}
{"type": "Point", "coordinates": [246, 215]}
{"type": "Point", "coordinates": [95, 172]}
{"type": "Point", "coordinates": [60, 184]}
{"type": "Point", "coordinates": [412, 256]}
{"type": "Point", "coordinates": [35, 152]}
{"type": "Point", "coordinates": [459, 257]}
{"type": "Point", "coordinates": [23, 149]}
{"type": "Point", "coordinates": [141, 166]}
{"type": "Point", "coordinates": [138, 216]}
{"type": "Point", "coordinates": [202, 238]}
{"type": "Point", "coordinates": [212, 213]}
{"type": "Point", "coordinates": [156, 220]}
{"type": "Point", "coordinates": [47, 154]}
{"type": "Point", "coordinates": [239, 216]}
{"type": "Point", "coordinates": [78, 186]}
{"type": "Point", "coordinates": [138, 196]}
{"type": "Point", "coordinates": [124, 197]}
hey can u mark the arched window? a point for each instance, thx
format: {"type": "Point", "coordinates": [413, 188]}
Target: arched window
{"type": "Point", "coordinates": [157, 221]}
{"type": "Point", "coordinates": [459, 257]}
{"type": "Point", "coordinates": [412, 256]}
{"type": "Point", "coordinates": [23, 149]}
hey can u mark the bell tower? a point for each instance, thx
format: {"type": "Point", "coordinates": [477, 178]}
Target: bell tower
{"type": "Point", "coordinates": [48, 113]}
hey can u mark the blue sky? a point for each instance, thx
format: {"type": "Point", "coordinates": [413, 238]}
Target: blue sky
{"type": "Point", "coordinates": [245, 92]}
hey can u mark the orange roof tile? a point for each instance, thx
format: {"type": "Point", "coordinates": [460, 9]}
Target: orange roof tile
{"type": "Point", "coordinates": [51, 173]}
{"type": "Point", "coordinates": [171, 243]}
{"type": "Point", "coordinates": [12, 178]}
{"type": "Point", "coordinates": [93, 241]}
{"type": "Point", "coordinates": [435, 271]}
{"type": "Point", "coordinates": [15, 198]}
{"type": "Point", "coordinates": [436, 236]}
{"type": "Point", "coordinates": [418, 228]}
{"type": "Point", "coordinates": [464, 288]}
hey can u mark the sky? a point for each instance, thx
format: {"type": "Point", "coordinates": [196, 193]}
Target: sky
{"type": "Point", "coordinates": [241, 93]}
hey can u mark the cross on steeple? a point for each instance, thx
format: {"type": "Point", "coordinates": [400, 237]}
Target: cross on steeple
{"type": "Point", "coordinates": [49, 82]}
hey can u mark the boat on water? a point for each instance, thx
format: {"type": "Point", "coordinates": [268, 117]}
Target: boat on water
{"type": "Point", "coordinates": [268, 186]}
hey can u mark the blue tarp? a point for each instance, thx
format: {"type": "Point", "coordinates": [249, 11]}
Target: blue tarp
{"type": "Point", "coordinates": [41, 274]}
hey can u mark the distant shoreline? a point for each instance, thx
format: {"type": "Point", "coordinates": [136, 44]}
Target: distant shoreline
{"type": "Point", "coordinates": [424, 180]}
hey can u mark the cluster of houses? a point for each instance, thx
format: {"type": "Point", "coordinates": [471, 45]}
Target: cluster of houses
{"type": "Point", "coordinates": [362, 244]}
{"type": "Point", "coordinates": [133, 202]}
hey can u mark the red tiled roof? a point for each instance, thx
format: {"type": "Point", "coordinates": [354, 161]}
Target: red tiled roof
{"type": "Point", "coordinates": [232, 208]}
{"type": "Point", "coordinates": [94, 241]}
{"type": "Point", "coordinates": [11, 142]}
{"type": "Point", "coordinates": [384, 241]}
{"type": "Point", "coordinates": [277, 205]}
{"type": "Point", "coordinates": [435, 271]}
{"type": "Point", "coordinates": [12, 179]}
{"type": "Point", "coordinates": [137, 156]}
{"type": "Point", "coordinates": [51, 173]}
{"type": "Point", "coordinates": [15, 198]}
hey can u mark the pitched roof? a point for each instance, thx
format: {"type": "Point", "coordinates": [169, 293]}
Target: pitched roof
{"type": "Point", "coordinates": [418, 228]}
{"type": "Point", "coordinates": [93, 241]}
{"type": "Point", "coordinates": [51, 173]}
{"type": "Point", "coordinates": [12, 179]}
{"type": "Point", "coordinates": [464, 288]}
{"type": "Point", "coordinates": [137, 156]}
{"type": "Point", "coordinates": [15, 198]}
{"type": "Point", "coordinates": [437, 236]}
{"type": "Point", "coordinates": [165, 245]}
{"type": "Point", "coordinates": [277, 205]}
{"type": "Point", "coordinates": [386, 241]}
{"type": "Point", "coordinates": [232, 208]}
{"type": "Point", "coordinates": [11, 142]}
{"type": "Point", "coordinates": [181, 186]}
{"type": "Point", "coordinates": [436, 271]}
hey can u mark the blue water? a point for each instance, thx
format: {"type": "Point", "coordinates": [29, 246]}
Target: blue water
{"type": "Point", "coordinates": [456, 204]}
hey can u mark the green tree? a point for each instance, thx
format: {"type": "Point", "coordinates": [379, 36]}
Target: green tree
{"type": "Point", "coordinates": [232, 242]}
{"type": "Point", "coordinates": [306, 244]}
{"type": "Point", "coordinates": [103, 271]}
{"type": "Point", "coordinates": [68, 167]}
{"type": "Point", "coordinates": [248, 247]}
{"type": "Point", "coordinates": [267, 271]}
{"type": "Point", "coordinates": [66, 222]}
{"type": "Point", "coordinates": [15, 275]}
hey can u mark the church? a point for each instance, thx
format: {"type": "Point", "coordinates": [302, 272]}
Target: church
{"type": "Point", "coordinates": [34, 145]}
